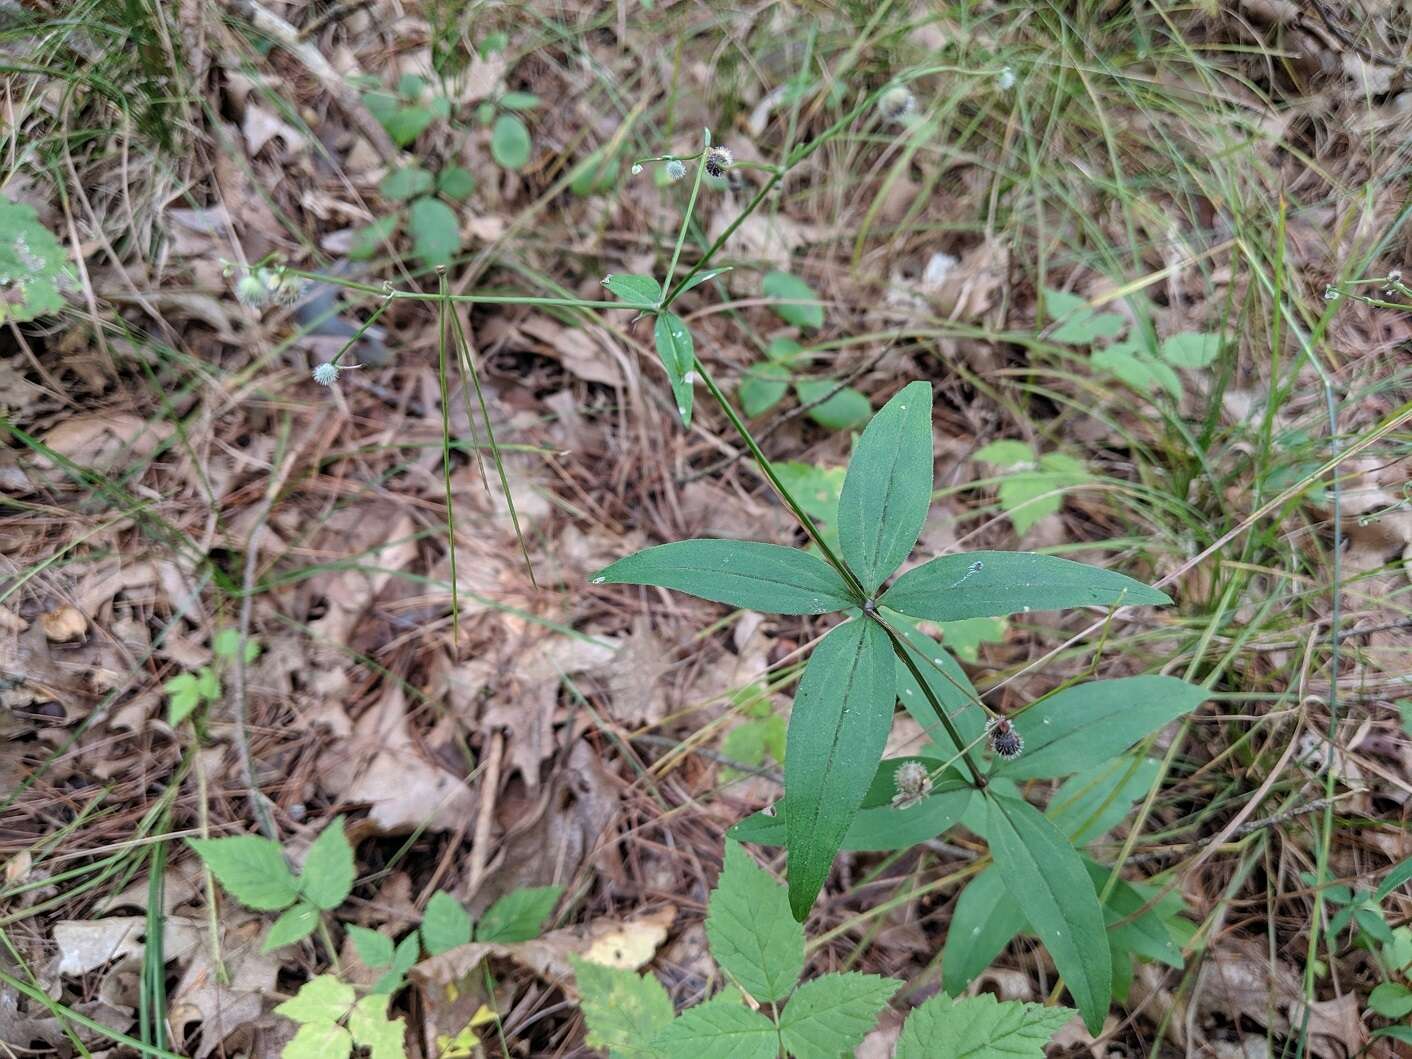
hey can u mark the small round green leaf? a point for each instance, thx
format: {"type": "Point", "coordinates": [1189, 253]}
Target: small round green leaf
{"type": "Point", "coordinates": [510, 142]}
{"type": "Point", "coordinates": [436, 237]}
{"type": "Point", "coordinates": [795, 301]}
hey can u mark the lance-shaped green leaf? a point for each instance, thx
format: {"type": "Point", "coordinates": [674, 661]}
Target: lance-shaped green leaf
{"type": "Point", "coordinates": [1047, 878]}
{"type": "Point", "coordinates": [837, 731]}
{"type": "Point", "coordinates": [641, 291]}
{"type": "Point", "coordinates": [751, 933]}
{"type": "Point", "coordinates": [948, 684]}
{"type": "Point", "coordinates": [985, 920]}
{"type": "Point", "coordinates": [1092, 803]}
{"type": "Point", "coordinates": [1087, 724]}
{"type": "Point", "coordinates": [990, 584]}
{"type": "Point", "coordinates": [878, 829]}
{"type": "Point", "coordinates": [678, 354]}
{"type": "Point", "coordinates": [748, 574]}
{"type": "Point", "coordinates": [889, 486]}
{"type": "Point", "coordinates": [1144, 935]}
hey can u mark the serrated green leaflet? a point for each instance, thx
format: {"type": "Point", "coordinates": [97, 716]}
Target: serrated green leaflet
{"type": "Point", "coordinates": [372, 1029]}
{"type": "Point", "coordinates": [979, 1027]}
{"type": "Point", "coordinates": [888, 488]}
{"type": "Point", "coordinates": [625, 1011]}
{"type": "Point", "coordinates": [678, 356]}
{"type": "Point", "coordinates": [1085, 725]}
{"type": "Point", "coordinates": [445, 924]}
{"type": "Point", "coordinates": [837, 729]}
{"type": "Point", "coordinates": [751, 932]}
{"type": "Point", "coordinates": [32, 262]}
{"type": "Point", "coordinates": [319, 1040]}
{"type": "Point", "coordinates": [321, 999]}
{"type": "Point", "coordinates": [983, 923]}
{"type": "Point", "coordinates": [251, 868]}
{"type": "Point", "coordinates": [327, 875]}
{"type": "Point", "coordinates": [991, 584]}
{"type": "Point", "coordinates": [1047, 878]}
{"type": "Point", "coordinates": [831, 1015]}
{"type": "Point", "coordinates": [374, 949]}
{"type": "Point", "coordinates": [519, 915]}
{"type": "Point", "coordinates": [749, 574]}
{"type": "Point", "coordinates": [642, 291]}
{"type": "Point", "coordinates": [294, 924]}
{"type": "Point", "coordinates": [721, 1028]}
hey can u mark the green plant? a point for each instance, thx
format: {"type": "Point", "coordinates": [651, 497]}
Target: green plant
{"type": "Point", "coordinates": [331, 1021]}
{"type": "Point", "coordinates": [1360, 916]}
{"type": "Point", "coordinates": [518, 916]}
{"type": "Point", "coordinates": [187, 691]}
{"type": "Point", "coordinates": [422, 210]}
{"type": "Point", "coordinates": [510, 143]}
{"type": "Point", "coordinates": [407, 112]}
{"type": "Point", "coordinates": [32, 265]}
{"type": "Point", "coordinates": [839, 793]}
{"type": "Point", "coordinates": [765, 1011]}
{"type": "Point", "coordinates": [254, 871]}
{"type": "Point", "coordinates": [763, 385]}
{"type": "Point", "coordinates": [1032, 486]}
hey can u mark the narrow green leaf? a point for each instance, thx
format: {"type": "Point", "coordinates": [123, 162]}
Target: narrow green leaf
{"type": "Point", "coordinates": [845, 410]}
{"type": "Point", "coordinates": [837, 730]}
{"type": "Point", "coordinates": [405, 183]}
{"type": "Point", "coordinates": [455, 182]}
{"type": "Point", "coordinates": [519, 915]}
{"type": "Point", "coordinates": [510, 142]}
{"type": "Point", "coordinates": [830, 1015]}
{"type": "Point", "coordinates": [1047, 878]}
{"type": "Point", "coordinates": [1091, 803]}
{"type": "Point", "coordinates": [984, 921]}
{"type": "Point", "coordinates": [251, 868]}
{"type": "Point", "coordinates": [979, 1027]}
{"type": "Point", "coordinates": [374, 949]}
{"type": "Point", "coordinates": [436, 236]}
{"type": "Point", "coordinates": [878, 829]}
{"type": "Point", "coordinates": [384, 1038]}
{"type": "Point", "coordinates": [445, 924]}
{"type": "Point", "coordinates": [642, 291]}
{"type": "Point", "coordinates": [762, 386]}
{"type": "Point", "coordinates": [888, 488]}
{"type": "Point", "coordinates": [327, 878]}
{"type": "Point", "coordinates": [368, 241]}
{"type": "Point", "coordinates": [1191, 349]}
{"type": "Point", "coordinates": [1396, 876]}
{"type": "Point", "coordinates": [750, 574]}
{"type": "Point", "coordinates": [991, 584]}
{"type": "Point", "coordinates": [321, 999]}
{"type": "Point", "coordinates": [750, 930]}
{"type": "Point", "coordinates": [319, 1040]}
{"type": "Point", "coordinates": [792, 290]}
{"type": "Point", "coordinates": [1145, 935]}
{"type": "Point", "coordinates": [294, 924]}
{"type": "Point", "coordinates": [1087, 724]}
{"type": "Point", "coordinates": [625, 1012]}
{"type": "Point", "coordinates": [677, 352]}
{"type": "Point", "coordinates": [519, 101]}
{"type": "Point", "coordinates": [721, 1028]}
{"type": "Point", "coordinates": [704, 276]}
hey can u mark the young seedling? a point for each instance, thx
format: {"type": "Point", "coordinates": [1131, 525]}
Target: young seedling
{"type": "Point", "coordinates": [187, 691]}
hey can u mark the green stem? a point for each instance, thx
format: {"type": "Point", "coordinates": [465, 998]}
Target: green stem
{"type": "Point", "coordinates": [63, 1013]}
{"type": "Point", "coordinates": [899, 648]}
{"type": "Point", "coordinates": [686, 217]}
{"type": "Point", "coordinates": [855, 586]}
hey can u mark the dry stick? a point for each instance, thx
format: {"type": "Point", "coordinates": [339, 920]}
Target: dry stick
{"type": "Point", "coordinates": [287, 37]}
{"type": "Point", "coordinates": [489, 784]}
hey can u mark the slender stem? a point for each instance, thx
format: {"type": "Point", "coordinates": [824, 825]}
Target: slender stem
{"type": "Point", "coordinates": [899, 648]}
{"type": "Point", "coordinates": [358, 334]}
{"type": "Point", "coordinates": [763, 462]}
{"type": "Point", "coordinates": [686, 217]}
{"type": "Point", "coordinates": [441, 340]}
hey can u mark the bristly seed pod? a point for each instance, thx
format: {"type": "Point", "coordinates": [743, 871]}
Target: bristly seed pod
{"type": "Point", "coordinates": [675, 170]}
{"type": "Point", "coordinates": [913, 784]}
{"type": "Point", "coordinates": [1004, 739]}
{"type": "Point", "coordinates": [718, 160]}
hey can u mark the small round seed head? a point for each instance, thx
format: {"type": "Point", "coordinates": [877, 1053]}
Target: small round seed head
{"type": "Point", "coordinates": [326, 374]}
{"type": "Point", "coordinates": [1005, 79]}
{"type": "Point", "coordinates": [636, 168]}
{"type": "Point", "coordinates": [675, 170]}
{"type": "Point", "coordinates": [1005, 740]}
{"type": "Point", "coordinates": [913, 784]}
{"type": "Point", "coordinates": [897, 104]}
{"type": "Point", "coordinates": [1331, 294]}
{"type": "Point", "coordinates": [284, 288]}
{"type": "Point", "coordinates": [1395, 276]}
{"type": "Point", "coordinates": [251, 291]}
{"type": "Point", "coordinates": [718, 160]}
